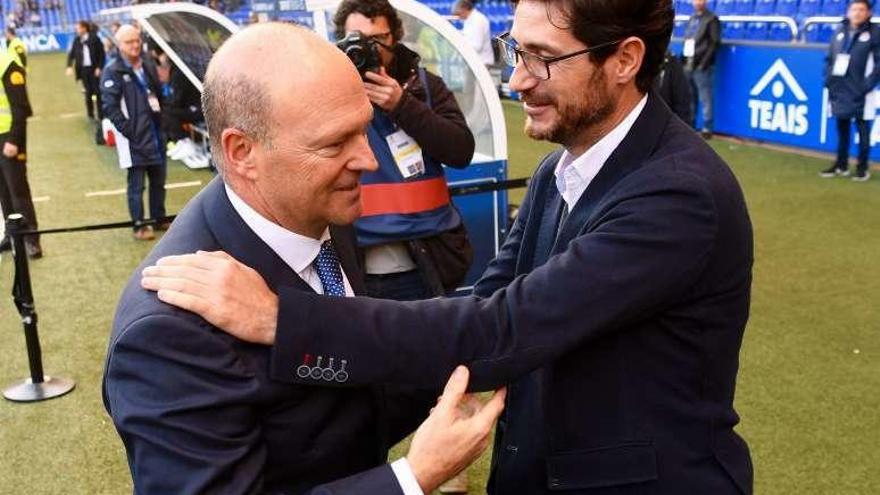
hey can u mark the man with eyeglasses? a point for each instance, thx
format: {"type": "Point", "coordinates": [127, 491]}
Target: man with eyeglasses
{"type": "Point", "coordinates": [413, 239]}
{"type": "Point", "coordinates": [616, 307]}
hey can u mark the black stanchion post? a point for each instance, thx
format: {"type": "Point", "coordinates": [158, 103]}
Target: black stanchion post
{"type": "Point", "coordinates": [39, 386]}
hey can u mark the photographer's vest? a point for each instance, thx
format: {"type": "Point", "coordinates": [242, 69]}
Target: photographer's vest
{"type": "Point", "coordinates": [398, 209]}
{"type": "Point", "coordinates": [5, 110]}
{"type": "Point", "coordinates": [15, 48]}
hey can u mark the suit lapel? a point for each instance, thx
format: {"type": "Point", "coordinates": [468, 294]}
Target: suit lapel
{"type": "Point", "coordinates": [635, 148]}
{"type": "Point", "coordinates": [344, 243]}
{"type": "Point", "coordinates": [242, 243]}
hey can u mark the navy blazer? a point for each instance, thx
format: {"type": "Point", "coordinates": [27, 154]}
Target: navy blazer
{"type": "Point", "coordinates": [622, 330]}
{"type": "Point", "coordinates": [197, 409]}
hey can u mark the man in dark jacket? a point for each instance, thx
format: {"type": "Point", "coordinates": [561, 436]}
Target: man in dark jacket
{"type": "Point", "coordinates": [15, 192]}
{"type": "Point", "coordinates": [131, 92]}
{"type": "Point", "coordinates": [84, 60]}
{"type": "Point", "coordinates": [417, 127]}
{"type": "Point", "coordinates": [673, 86]}
{"type": "Point", "coordinates": [852, 69]}
{"type": "Point", "coordinates": [702, 38]}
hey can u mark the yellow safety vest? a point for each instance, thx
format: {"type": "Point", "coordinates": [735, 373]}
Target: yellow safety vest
{"type": "Point", "coordinates": [5, 110]}
{"type": "Point", "coordinates": [15, 48]}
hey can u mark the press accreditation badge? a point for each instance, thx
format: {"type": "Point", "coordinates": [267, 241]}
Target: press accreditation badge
{"type": "Point", "coordinates": [407, 154]}
{"type": "Point", "coordinates": [841, 64]}
{"type": "Point", "coordinates": [690, 47]}
{"type": "Point", "coordinates": [154, 103]}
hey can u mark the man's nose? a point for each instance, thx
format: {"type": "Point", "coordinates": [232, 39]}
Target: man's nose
{"type": "Point", "coordinates": [363, 158]}
{"type": "Point", "coordinates": [522, 80]}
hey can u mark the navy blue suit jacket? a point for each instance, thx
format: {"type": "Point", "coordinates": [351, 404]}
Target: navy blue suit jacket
{"type": "Point", "coordinates": [197, 409]}
{"type": "Point", "coordinates": [621, 335]}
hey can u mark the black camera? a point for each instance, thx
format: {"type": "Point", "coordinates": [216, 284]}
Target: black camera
{"type": "Point", "coordinates": [362, 51]}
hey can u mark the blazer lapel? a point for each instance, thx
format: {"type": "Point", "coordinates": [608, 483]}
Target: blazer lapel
{"type": "Point", "coordinates": [240, 242]}
{"type": "Point", "coordinates": [635, 148]}
{"type": "Point", "coordinates": [344, 241]}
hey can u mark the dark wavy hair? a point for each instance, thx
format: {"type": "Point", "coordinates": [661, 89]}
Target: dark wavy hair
{"type": "Point", "coordinates": [370, 9]}
{"type": "Point", "coordinates": [594, 22]}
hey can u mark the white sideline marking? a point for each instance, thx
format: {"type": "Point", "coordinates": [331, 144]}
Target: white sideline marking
{"type": "Point", "coordinates": [69, 115]}
{"type": "Point", "coordinates": [117, 192]}
{"type": "Point", "coordinates": [41, 199]}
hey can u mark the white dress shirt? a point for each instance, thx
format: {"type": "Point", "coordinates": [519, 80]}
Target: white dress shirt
{"type": "Point", "coordinates": [575, 173]}
{"type": "Point", "coordinates": [299, 253]}
{"type": "Point", "coordinates": [477, 31]}
{"type": "Point", "coordinates": [87, 55]}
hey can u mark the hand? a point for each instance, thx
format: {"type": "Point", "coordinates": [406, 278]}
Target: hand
{"type": "Point", "coordinates": [69, 71]}
{"type": "Point", "coordinates": [383, 90]}
{"type": "Point", "coordinates": [10, 150]}
{"type": "Point", "coordinates": [228, 294]}
{"type": "Point", "coordinates": [455, 434]}
{"type": "Point", "coordinates": [98, 72]}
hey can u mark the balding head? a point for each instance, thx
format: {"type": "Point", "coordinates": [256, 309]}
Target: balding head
{"type": "Point", "coordinates": [261, 62]}
{"type": "Point", "coordinates": [287, 116]}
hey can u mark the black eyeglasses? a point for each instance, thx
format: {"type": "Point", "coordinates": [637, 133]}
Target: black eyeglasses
{"type": "Point", "coordinates": [537, 65]}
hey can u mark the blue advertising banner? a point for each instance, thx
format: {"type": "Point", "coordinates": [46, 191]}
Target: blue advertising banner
{"type": "Point", "coordinates": [775, 93]}
{"type": "Point", "coordinates": [45, 42]}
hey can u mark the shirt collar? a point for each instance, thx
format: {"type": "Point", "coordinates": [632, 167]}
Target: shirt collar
{"type": "Point", "coordinates": [574, 173]}
{"type": "Point", "coordinates": [298, 251]}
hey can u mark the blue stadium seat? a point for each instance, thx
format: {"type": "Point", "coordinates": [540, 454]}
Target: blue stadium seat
{"type": "Point", "coordinates": [809, 8]}
{"type": "Point", "coordinates": [834, 7]}
{"type": "Point", "coordinates": [725, 7]}
{"type": "Point", "coordinates": [732, 30]}
{"type": "Point", "coordinates": [779, 31]}
{"type": "Point", "coordinates": [787, 7]}
{"type": "Point", "coordinates": [744, 7]}
{"type": "Point", "coordinates": [684, 7]}
{"type": "Point", "coordinates": [765, 7]}
{"type": "Point", "coordinates": [756, 31]}
{"type": "Point", "coordinates": [678, 29]}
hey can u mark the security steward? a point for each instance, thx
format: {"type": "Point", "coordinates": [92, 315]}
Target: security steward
{"type": "Point", "coordinates": [16, 47]}
{"type": "Point", "coordinates": [414, 242]}
{"type": "Point", "coordinates": [850, 79]}
{"type": "Point", "coordinates": [15, 192]}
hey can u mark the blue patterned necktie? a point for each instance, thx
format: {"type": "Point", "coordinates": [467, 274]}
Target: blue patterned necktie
{"type": "Point", "coordinates": [327, 266]}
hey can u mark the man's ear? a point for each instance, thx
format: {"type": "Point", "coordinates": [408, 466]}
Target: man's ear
{"type": "Point", "coordinates": [239, 153]}
{"type": "Point", "coordinates": [630, 57]}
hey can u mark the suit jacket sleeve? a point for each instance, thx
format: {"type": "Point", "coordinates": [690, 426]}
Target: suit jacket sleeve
{"type": "Point", "coordinates": [71, 54]}
{"type": "Point", "coordinates": [643, 253]}
{"type": "Point", "coordinates": [441, 129]}
{"type": "Point", "coordinates": [183, 404]}
{"type": "Point", "coordinates": [874, 77]}
{"type": "Point", "coordinates": [100, 54]}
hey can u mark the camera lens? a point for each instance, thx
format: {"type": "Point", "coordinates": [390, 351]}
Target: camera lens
{"type": "Point", "coordinates": [357, 55]}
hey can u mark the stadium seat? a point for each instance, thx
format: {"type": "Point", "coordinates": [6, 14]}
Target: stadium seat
{"type": "Point", "coordinates": [732, 30]}
{"type": "Point", "coordinates": [684, 7]}
{"type": "Point", "coordinates": [810, 8]}
{"type": "Point", "coordinates": [787, 8]}
{"type": "Point", "coordinates": [725, 7]}
{"type": "Point", "coordinates": [779, 31]}
{"type": "Point", "coordinates": [744, 7]}
{"type": "Point", "coordinates": [765, 7]}
{"type": "Point", "coordinates": [834, 7]}
{"type": "Point", "coordinates": [679, 29]}
{"type": "Point", "coordinates": [756, 31]}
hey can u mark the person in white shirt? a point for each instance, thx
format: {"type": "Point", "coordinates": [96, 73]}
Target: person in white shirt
{"type": "Point", "coordinates": [199, 412]}
{"type": "Point", "coordinates": [476, 29]}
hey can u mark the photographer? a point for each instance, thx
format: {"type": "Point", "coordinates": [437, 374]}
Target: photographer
{"type": "Point", "coordinates": [415, 245]}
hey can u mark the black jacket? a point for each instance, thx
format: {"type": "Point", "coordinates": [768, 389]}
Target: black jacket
{"type": "Point", "coordinates": [126, 103]}
{"type": "Point", "coordinates": [441, 129]}
{"type": "Point", "coordinates": [706, 31]}
{"type": "Point", "coordinates": [96, 50]}
{"type": "Point", "coordinates": [672, 85]}
{"type": "Point", "coordinates": [14, 82]}
{"type": "Point", "coordinates": [624, 327]}
{"type": "Point", "coordinates": [847, 92]}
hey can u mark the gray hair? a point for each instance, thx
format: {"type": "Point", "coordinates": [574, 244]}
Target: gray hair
{"type": "Point", "coordinates": [236, 102]}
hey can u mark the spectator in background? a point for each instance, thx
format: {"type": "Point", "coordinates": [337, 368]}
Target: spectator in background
{"type": "Point", "coordinates": [702, 38]}
{"type": "Point", "coordinates": [85, 59]}
{"type": "Point", "coordinates": [414, 240]}
{"type": "Point", "coordinates": [476, 30]}
{"type": "Point", "coordinates": [852, 70]}
{"type": "Point", "coordinates": [133, 82]}
{"type": "Point", "coordinates": [109, 47]}
{"type": "Point", "coordinates": [673, 86]}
